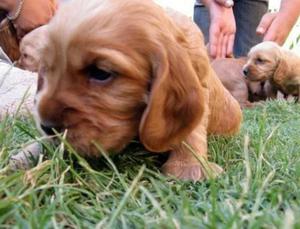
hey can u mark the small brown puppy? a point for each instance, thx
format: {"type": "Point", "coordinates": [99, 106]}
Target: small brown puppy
{"type": "Point", "coordinates": [230, 72]}
{"type": "Point", "coordinates": [269, 61]}
{"type": "Point", "coordinates": [30, 49]}
{"type": "Point", "coordinates": [109, 77]}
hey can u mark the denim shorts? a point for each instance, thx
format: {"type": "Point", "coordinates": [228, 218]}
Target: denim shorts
{"type": "Point", "coordinates": [247, 13]}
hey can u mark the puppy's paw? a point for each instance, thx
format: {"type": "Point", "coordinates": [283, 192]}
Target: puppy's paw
{"type": "Point", "coordinates": [194, 172]}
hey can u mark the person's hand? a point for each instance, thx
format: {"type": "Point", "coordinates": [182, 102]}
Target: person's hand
{"type": "Point", "coordinates": [274, 27]}
{"type": "Point", "coordinates": [34, 13]}
{"type": "Point", "coordinates": [222, 30]}
{"type": "Point", "coordinates": [226, 3]}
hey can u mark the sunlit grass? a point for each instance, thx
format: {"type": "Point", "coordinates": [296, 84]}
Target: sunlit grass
{"type": "Point", "coordinates": [260, 189]}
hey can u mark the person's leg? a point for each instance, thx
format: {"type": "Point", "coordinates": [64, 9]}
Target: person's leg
{"type": "Point", "coordinates": [248, 14]}
{"type": "Point", "coordinates": [202, 19]}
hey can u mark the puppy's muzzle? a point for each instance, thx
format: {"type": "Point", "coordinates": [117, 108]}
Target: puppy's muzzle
{"type": "Point", "coordinates": [245, 72]}
{"type": "Point", "coordinates": [51, 129]}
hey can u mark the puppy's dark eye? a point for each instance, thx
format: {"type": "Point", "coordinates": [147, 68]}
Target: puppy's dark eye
{"type": "Point", "coordinates": [98, 74]}
{"type": "Point", "coordinates": [259, 60]}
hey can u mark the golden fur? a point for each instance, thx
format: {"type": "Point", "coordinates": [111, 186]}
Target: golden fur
{"type": "Point", "coordinates": [269, 61]}
{"type": "Point", "coordinates": [230, 72]}
{"type": "Point", "coordinates": [160, 88]}
{"type": "Point", "coordinates": [30, 47]}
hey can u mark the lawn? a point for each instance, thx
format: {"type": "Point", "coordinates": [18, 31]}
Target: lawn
{"type": "Point", "coordinates": [260, 189]}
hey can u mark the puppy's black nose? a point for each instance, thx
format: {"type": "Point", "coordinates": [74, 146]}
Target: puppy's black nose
{"type": "Point", "coordinates": [245, 71]}
{"type": "Point", "coordinates": [49, 130]}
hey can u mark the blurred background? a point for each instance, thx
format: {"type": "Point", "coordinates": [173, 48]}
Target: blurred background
{"type": "Point", "coordinates": [186, 7]}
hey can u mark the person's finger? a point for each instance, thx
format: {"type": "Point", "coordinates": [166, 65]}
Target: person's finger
{"type": "Point", "coordinates": [226, 3]}
{"type": "Point", "coordinates": [213, 48]}
{"type": "Point", "coordinates": [265, 23]}
{"type": "Point", "coordinates": [275, 37]}
{"type": "Point", "coordinates": [213, 41]}
{"type": "Point", "coordinates": [276, 32]}
{"type": "Point", "coordinates": [230, 43]}
{"type": "Point", "coordinates": [270, 36]}
{"type": "Point", "coordinates": [219, 45]}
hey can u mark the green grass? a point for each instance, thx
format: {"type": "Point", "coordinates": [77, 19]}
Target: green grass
{"type": "Point", "coordinates": [260, 189]}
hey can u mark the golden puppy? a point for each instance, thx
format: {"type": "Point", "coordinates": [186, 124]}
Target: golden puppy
{"type": "Point", "coordinates": [230, 72]}
{"type": "Point", "coordinates": [30, 49]}
{"type": "Point", "coordinates": [269, 61]}
{"type": "Point", "coordinates": [114, 70]}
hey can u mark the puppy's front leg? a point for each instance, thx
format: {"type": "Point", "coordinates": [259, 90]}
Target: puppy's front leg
{"type": "Point", "coordinates": [182, 162]}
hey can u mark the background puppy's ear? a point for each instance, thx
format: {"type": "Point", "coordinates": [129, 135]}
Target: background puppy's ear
{"type": "Point", "coordinates": [176, 102]}
{"type": "Point", "coordinates": [281, 71]}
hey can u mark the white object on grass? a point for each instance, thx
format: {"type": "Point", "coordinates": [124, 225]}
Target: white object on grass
{"type": "Point", "coordinates": [17, 89]}
{"type": "Point", "coordinates": [26, 158]}
{"type": "Point", "coordinates": [4, 57]}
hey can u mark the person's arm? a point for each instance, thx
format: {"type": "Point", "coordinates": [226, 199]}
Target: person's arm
{"type": "Point", "coordinates": [222, 29]}
{"type": "Point", "coordinates": [276, 26]}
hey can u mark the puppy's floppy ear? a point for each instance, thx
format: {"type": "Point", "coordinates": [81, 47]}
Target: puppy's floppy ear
{"type": "Point", "coordinates": [176, 102]}
{"type": "Point", "coordinates": [281, 70]}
